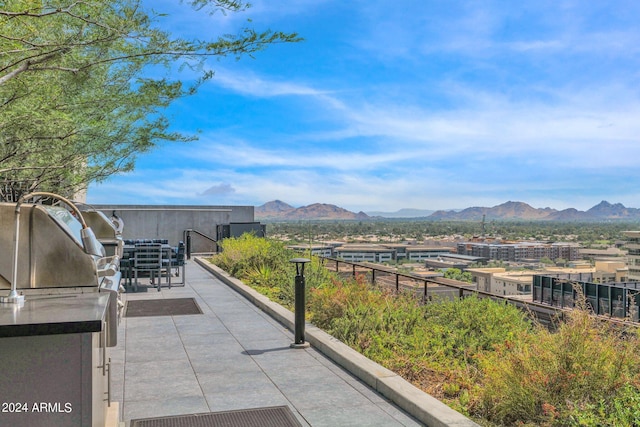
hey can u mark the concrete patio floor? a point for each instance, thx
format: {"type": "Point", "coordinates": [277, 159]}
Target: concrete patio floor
{"type": "Point", "coordinates": [233, 356]}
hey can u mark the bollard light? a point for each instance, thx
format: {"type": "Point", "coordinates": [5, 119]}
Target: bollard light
{"type": "Point", "coordinates": [299, 303]}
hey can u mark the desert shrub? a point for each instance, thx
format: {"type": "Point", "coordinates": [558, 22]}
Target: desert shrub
{"type": "Point", "coordinates": [331, 299]}
{"type": "Point", "coordinates": [264, 264]}
{"type": "Point", "coordinates": [439, 342]}
{"type": "Point", "coordinates": [482, 357]}
{"type": "Point", "coordinates": [260, 263]}
{"type": "Point", "coordinates": [460, 329]}
{"type": "Point", "coordinates": [585, 373]}
{"type": "Point", "coordinates": [369, 319]}
{"type": "Point", "coordinates": [247, 253]}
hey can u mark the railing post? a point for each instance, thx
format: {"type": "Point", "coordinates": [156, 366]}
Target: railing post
{"type": "Point", "coordinates": [424, 296]}
{"type": "Point", "coordinates": [397, 282]}
{"type": "Point", "coordinates": [188, 244]}
{"type": "Point", "coordinates": [373, 276]}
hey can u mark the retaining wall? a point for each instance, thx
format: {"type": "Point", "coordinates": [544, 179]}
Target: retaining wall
{"type": "Point", "coordinates": [169, 221]}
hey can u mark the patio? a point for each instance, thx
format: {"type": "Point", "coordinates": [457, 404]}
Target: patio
{"type": "Point", "coordinates": [232, 356]}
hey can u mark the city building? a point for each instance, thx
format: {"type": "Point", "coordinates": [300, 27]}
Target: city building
{"type": "Point", "coordinates": [501, 282]}
{"type": "Point", "coordinates": [594, 254]}
{"type": "Point", "coordinates": [416, 252]}
{"type": "Point", "coordinates": [388, 252]}
{"type": "Point", "coordinates": [458, 261]}
{"type": "Point", "coordinates": [610, 272]}
{"type": "Point", "coordinates": [483, 277]}
{"type": "Point", "coordinates": [360, 252]}
{"type": "Point", "coordinates": [618, 300]}
{"type": "Point", "coordinates": [520, 251]}
{"type": "Point", "coordinates": [512, 283]}
{"type": "Point", "coordinates": [317, 250]}
{"type": "Point", "coordinates": [633, 254]}
{"type": "Point", "coordinates": [421, 253]}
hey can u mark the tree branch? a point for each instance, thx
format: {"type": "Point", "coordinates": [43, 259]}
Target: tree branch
{"type": "Point", "coordinates": [24, 66]}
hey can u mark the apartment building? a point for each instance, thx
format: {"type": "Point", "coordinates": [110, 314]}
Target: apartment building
{"type": "Point", "coordinates": [483, 277]}
{"type": "Point", "coordinates": [610, 272]}
{"type": "Point", "coordinates": [501, 282]}
{"type": "Point", "coordinates": [520, 251]}
{"type": "Point", "coordinates": [633, 254]}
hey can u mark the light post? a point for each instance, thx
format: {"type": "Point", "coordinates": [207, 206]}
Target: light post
{"type": "Point", "coordinates": [299, 303]}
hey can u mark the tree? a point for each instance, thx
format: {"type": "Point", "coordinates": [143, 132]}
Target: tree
{"type": "Point", "coordinates": [457, 274]}
{"type": "Point", "coordinates": [77, 100]}
{"type": "Point", "coordinates": [546, 261]}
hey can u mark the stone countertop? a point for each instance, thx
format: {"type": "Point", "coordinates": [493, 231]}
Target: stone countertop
{"type": "Point", "coordinates": [54, 314]}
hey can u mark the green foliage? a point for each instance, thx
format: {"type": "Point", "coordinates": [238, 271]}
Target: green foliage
{"type": "Point", "coordinates": [259, 263]}
{"type": "Point", "coordinates": [491, 264]}
{"type": "Point", "coordinates": [621, 410]}
{"type": "Point", "coordinates": [332, 301]}
{"type": "Point", "coordinates": [484, 358]}
{"type": "Point", "coordinates": [585, 373]}
{"type": "Point", "coordinates": [77, 99]}
{"type": "Point", "coordinates": [264, 264]}
{"type": "Point", "coordinates": [463, 328]}
{"type": "Point", "coordinates": [457, 274]}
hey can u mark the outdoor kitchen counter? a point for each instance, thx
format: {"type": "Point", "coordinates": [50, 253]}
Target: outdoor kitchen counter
{"type": "Point", "coordinates": [56, 362]}
{"type": "Point", "coordinates": [54, 314]}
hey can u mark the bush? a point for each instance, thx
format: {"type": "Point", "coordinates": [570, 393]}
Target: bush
{"type": "Point", "coordinates": [260, 263]}
{"type": "Point", "coordinates": [586, 373]}
{"type": "Point", "coordinates": [264, 264]}
{"type": "Point", "coordinates": [482, 357]}
{"type": "Point", "coordinates": [330, 302]}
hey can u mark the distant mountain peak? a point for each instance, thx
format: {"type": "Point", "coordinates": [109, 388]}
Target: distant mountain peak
{"type": "Point", "coordinates": [316, 211]}
{"type": "Point", "coordinates": [274, 206]}
{"type": "Point", "coordinates": [604, 205]}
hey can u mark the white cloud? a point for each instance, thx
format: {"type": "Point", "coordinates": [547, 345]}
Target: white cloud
{"type": "Point", "coordinates": [218, 190]}
{"type": "Point", "coordinates": [527, 102]}
{"type": "Point", "coordinates": [250, 84]}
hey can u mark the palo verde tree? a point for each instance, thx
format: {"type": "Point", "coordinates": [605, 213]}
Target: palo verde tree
{"type": "Point", "coordinates": [77, 100]}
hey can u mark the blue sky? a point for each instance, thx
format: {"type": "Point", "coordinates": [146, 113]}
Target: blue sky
{"type": "Point", "coordinates": [428, 104]}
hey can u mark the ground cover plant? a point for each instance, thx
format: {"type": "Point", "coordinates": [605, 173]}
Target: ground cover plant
{"type": "Point", "coordinates": [483, 358]}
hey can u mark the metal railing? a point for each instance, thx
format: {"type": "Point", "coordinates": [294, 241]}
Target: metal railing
{"type": "Point", "coordinates": [186, 236]}
{"type": "Point", "coordinates": [425, 287]}
{"type": "Point", "coordinates": [429, 287]}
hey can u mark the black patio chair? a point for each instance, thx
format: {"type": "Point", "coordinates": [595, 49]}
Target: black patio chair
{"type": "Point", "coordinates": [148, 258]}
{"type": "Point", "coordinates": [178, 260]}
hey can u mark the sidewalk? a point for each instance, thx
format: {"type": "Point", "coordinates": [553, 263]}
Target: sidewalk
{"type": "Point", "coordinates": [233, 356]}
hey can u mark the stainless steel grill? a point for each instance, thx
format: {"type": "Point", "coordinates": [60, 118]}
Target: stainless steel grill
{"type": "Point", "coordinates": [108, 231]}
{"type": "Point", "coordinates": [47, 251]}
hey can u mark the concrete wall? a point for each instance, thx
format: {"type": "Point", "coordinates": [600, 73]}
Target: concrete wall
{"type": "Point", "coordinates": [170, 221]}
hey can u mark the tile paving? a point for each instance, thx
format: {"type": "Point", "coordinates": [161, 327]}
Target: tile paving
{"type": "Point", "coordinates": [233, 356]}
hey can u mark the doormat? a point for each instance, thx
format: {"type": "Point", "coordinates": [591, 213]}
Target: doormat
{"type": "Point", "coordinates": [273, 416]}
{"type": "Point", "coordinates": [161, 307]}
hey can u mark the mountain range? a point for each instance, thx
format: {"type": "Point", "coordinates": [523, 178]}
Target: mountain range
{"type": "Point", "coordinates": [403, 213]}
{"type": "Point", "coordinates": [278, 209]}
{"type": "Point", "coordinates": [603, 211]}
